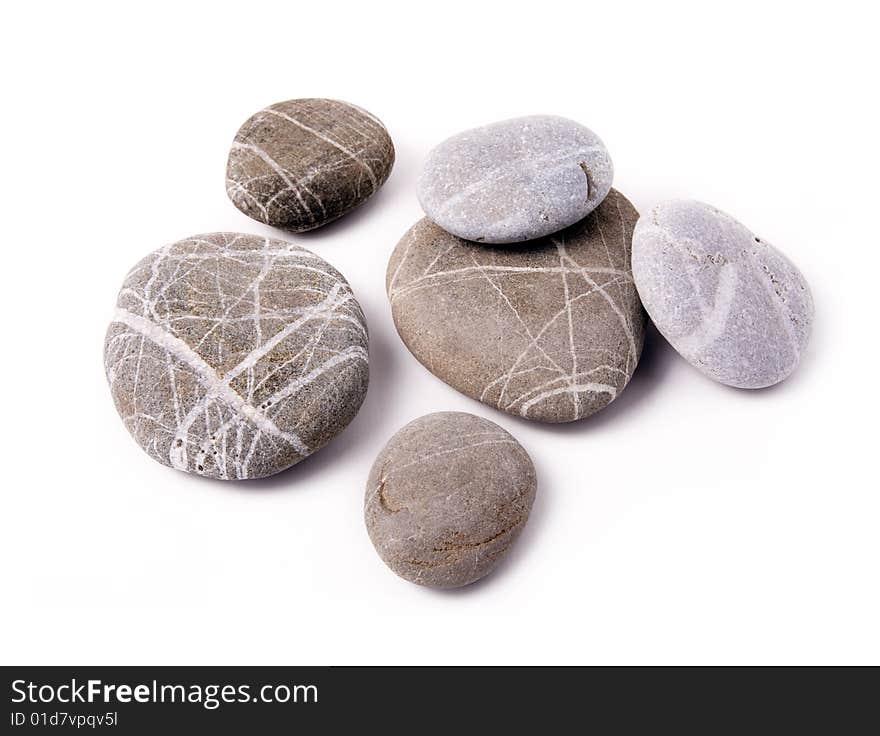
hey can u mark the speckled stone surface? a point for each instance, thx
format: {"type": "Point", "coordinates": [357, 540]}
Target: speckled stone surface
{"type": "Point", "coordinates": [303, 163]}
{"type": "Point", "coordinates": [550, 331]}
{"type": "Point", "coordinates": [515, 180]}
{"type": "Point", "coordinates": [728, 301]}
{"type": "Point", "coordinates": [234, 356]}
{"type": "Point", "coordinates": [447, 497]}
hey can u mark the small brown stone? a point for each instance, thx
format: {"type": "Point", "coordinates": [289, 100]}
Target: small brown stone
{"type": "Point", "coordinates": [303, 163]}
{"type": "Point", "coordinates": [447, 497]}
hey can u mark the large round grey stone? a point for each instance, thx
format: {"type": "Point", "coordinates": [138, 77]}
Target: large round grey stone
{"type": "Point", "coordinates": [728, 301]}
{"type": "Point", "coordinates": [301, 164]}
{"type": "Point", "coordinates": [233, 356]}
{"type": "Point", "coordinates": [447, 497]}
{"type": "Point", "coordinates": [550, 331]}
{"type": "Point", "coordinates": [515, 180]}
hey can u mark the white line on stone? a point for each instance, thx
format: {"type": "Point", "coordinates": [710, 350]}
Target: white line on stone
{"type": "Point", "coordinates": [336, 144]}
{"type": "Point", "coordinates": [580, 388]}
{"type": "Point", "coordinates": [214, 385]}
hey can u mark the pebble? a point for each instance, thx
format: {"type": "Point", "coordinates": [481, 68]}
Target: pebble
{"type": "Point", "coordinates": [729, 302]}
{"type": "Point", "coordinates": [515, 180]}
{"type": "Point", "coordinates": [550, 331]}
{"type": "Point", "coordinates": [447, 497]}
{"type": "Point", "coordinates": [234, 356]}
{"type": "Point", "coordinates": [300, 164]}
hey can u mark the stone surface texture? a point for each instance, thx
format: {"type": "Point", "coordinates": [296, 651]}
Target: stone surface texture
{"type": "Point", "coordinates": [515, 180]}
{"type": "Point", "coordinates": [234, 356]}
{"type": "Point", "coordinates": [303, 163]}
{"type": "Point", "coordinates": [447, 497]}
{"type": "Point", "coordinates": [550, 331]}
{"type": "Point", "coordinates": [728, 301]}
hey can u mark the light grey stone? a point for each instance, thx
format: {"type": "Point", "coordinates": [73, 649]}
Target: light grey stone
{"type": "Point", "coordinates": [447, 497]}
{"type": "Point", "coordinates": [515, 180]}
{"type": "Point", "coordinates": [303, 163]}
{"type": "Point", "coordinates": [234, 356]}
{"type": "Point", "coordinates": [551, 330]}
{"type": "Point", "coordinates": [729, 302]}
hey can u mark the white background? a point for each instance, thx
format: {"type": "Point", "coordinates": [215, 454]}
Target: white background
{"type": "Point", "coordinates": [687, 523]}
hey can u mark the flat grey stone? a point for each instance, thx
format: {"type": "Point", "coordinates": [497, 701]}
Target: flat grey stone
{"type": "Point", "coordinates": [234, 356]}
{"type": "Point", "coordinates": [515, 180]}
{"type": "Point", "coordinates": [729, 302]}
{"type": "Point", "coordinates": [447, 497]}
{"type": "Point", "coordinates": [551, 330]}
{"type": "Point", "coordinates": [300, 164]}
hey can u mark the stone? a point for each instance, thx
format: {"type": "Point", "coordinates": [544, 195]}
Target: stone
{"type": "Point", "coordinates": [515, 180]}
{"type": "Point", "coordinates": [234, 356]}
{"type": "Point", "coordinates": [447, 497]}
{"type": "Point", "coordinates": [550, 331]}
{"type": "Point", "coordinates": [300, 164]}
{"type": "Point", "coordinates": [729, 302]}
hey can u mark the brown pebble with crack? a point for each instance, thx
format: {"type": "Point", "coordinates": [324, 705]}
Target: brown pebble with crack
{"type": "Point", "coordinates": [447, 497]}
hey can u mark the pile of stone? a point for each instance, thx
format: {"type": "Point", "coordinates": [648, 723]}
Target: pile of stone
{"type": "Point", "coordinates": [527, 286]}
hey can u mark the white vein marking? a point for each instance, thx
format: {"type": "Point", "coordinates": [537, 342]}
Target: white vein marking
{"type": "Point", "coordinates": [423, 281]}
{"type": "Point", "coordinates": [178, 447]}
{"type": "Point", "coordinates": [624, 322]}
{"type": "Point", "coordinates": [714, 319]}
{"type": "Point", "coordinates": [278, 169]}
{"type": "Point", "coordinates": [336, 144]}
{"type": "Point", "coordinates": [580, 388]}
{"type": "Point", "coordinates": [213, 383]}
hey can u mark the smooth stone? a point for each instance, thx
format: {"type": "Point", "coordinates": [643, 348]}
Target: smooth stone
{"type": "Point", "coordinates": [447, 497]}
{"type": "Point", "coordinates": [551, 331]}
{"type": "Point", "coordinates": [729, 302]}
{"type": "Point", "coordinates": [300, 164]}
{"type": "Point", "coordinates": [234, 356]}
{"type": "Point", "coordinates": [515, 180]}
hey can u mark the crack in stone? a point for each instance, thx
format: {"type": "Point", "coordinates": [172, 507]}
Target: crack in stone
{"type": "Point", "coordinates": [452, 547]}
{"type": "Point", "coordinates": [590, 185]}
{"type": "Point", "coordinates": [383, 498]}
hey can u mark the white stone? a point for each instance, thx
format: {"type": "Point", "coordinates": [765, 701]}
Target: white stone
{"type": "Point", "coordinates": [515, 180]}
{"type": "Point", "coordinates": [729, 302]}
